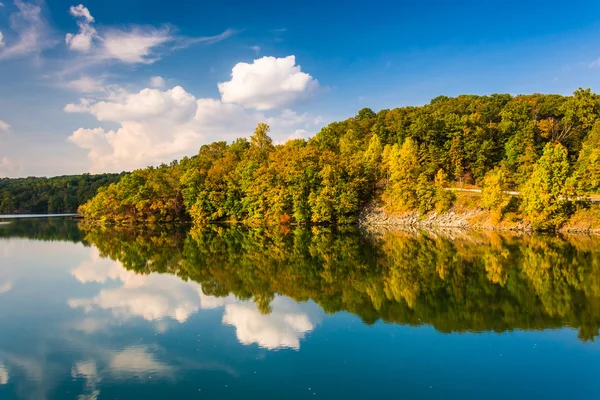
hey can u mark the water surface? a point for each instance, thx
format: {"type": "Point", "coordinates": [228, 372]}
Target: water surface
{"type": "Point", "coordinates": [230, 312]}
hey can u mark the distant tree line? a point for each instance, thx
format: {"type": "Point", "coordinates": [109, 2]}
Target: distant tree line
{"type": "Point", "coordinates": [61, 194]}
{"type": "Point", "coordinates": [546, 146]}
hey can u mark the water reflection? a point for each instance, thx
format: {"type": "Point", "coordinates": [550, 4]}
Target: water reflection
{"type": "Point", "coordinates": [121, 305]}
{"type": "Point", "coordinates": [3, 375]}
{"type": "Point", "coordinates": [453, 281]}
{"type": "Point", "coordinates": [156, 297]}
{"type": "Point", "coordinates": [283, 327]}
{"type": "Point", "coordinates": [470, 282]}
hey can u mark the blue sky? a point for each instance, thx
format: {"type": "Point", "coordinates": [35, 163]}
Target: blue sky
{"type": "Point", "coordinates": [115, 85]}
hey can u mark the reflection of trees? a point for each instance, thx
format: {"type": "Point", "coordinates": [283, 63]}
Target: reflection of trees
{"type": "Point", "coordinates": [480, 282]}
{"type": "Point", "coordinates": [47, 229]}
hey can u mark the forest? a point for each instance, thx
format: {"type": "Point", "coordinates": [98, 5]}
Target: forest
{"type": "Point", "coordinates": [61, 194]}
{"type": "Point", "coordinates": [546, 147]}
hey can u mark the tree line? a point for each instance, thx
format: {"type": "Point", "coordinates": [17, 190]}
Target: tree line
{"type": "Point", "coordinates": [61, 194]}
{"type": "Point", "coordinates": [545, 146]}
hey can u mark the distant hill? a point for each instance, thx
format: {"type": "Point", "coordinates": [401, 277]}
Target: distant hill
{"type": "Point", "coordinates": [61, 194]}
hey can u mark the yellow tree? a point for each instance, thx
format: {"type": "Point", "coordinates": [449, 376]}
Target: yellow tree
{"type": "Point", "coordinates": [493, 194]}
{"type": "Point", "coordinates": [404, 174]}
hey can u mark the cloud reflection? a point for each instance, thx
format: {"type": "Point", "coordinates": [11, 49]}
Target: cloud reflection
{"type": "Point", "coordinates": [3, 375]}
{"type": "Point", "coordinates": [282, 328]}
{"type": "Point", "coordinates": [160, 297]}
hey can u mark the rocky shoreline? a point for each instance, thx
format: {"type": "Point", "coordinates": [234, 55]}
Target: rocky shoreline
{"type": "Point", "coordinates": [374, 217]}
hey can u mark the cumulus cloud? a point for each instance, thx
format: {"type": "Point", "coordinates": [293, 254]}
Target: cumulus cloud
{"type": "Point", "coordinates": [4, 126]}
{"type": "Point", "coordinates": [81, 41]}
{"type": "Point", "coordinates": [31, 32]}
{"type": "Point", "coordinates": [157, 82]}
{"type": "Point", "coordinates": [267, 83]}
{"type": "Point", "coordinates": [158, 126]}
{"type": "Point", "coordinates": [175, 104]}
{"type": "Point", "coordinates": [284, 327]}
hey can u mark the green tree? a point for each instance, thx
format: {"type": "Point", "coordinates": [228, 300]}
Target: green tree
{"type": "Point", "coordinates": [546, 195]}
{"type": "Point", "coordinates": [588, 163]}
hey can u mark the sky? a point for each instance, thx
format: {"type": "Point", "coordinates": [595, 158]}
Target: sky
{"type": "Point", "coordinates": [110, 86]}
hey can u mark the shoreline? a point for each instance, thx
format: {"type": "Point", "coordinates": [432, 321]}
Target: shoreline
{"type": "Point", "coordinates": [374, 216]}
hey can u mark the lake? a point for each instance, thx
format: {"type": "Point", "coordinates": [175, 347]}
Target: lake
{"type": "Point", "coordinates": [228, 312]}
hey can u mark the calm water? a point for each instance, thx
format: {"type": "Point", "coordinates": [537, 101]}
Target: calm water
{"type": "Point", "coordinates": [227, 313]}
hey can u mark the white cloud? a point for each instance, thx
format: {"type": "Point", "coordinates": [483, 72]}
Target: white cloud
{"type": "Point", "coordinates": [32, 32]}
{"type": "Point", "coordinates": [158, 126]}
{"type": "Point", "coordinates": [284, 327]}
{"type": "Point", "coordinates": [175, 104]}
{"type": "Point", "coordinates": [1, 40]}
{"type": "Point", "coordinates": [128, 46]}
{"type": "Point", "coordinates": [4, 126]}
{"type": "Point", "coordinates": [81, 41]}
{"type": "Point", "coordinates": [267, 83]}
{"type": "Point", "coordinates": [256, 49]}
{"type": "Point", "coordinates": [595, 64]}
{"type": "Point", "coordinates": [135, 46]}
{"type": "Point", "coordinates": [81, 11]}
{"type": "Point", "coordinates": [138, 44]}
{"type": "Point", "coordinates": [157, 82]}
{"type": "Point", "coordinates": [86, 84]}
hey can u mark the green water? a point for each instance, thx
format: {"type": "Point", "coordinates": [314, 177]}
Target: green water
{"type": "Point", "coordinates": [294, 313]}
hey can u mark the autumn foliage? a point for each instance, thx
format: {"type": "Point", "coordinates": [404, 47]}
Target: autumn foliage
{"type": "Point", "coordinates": [543, 145]}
